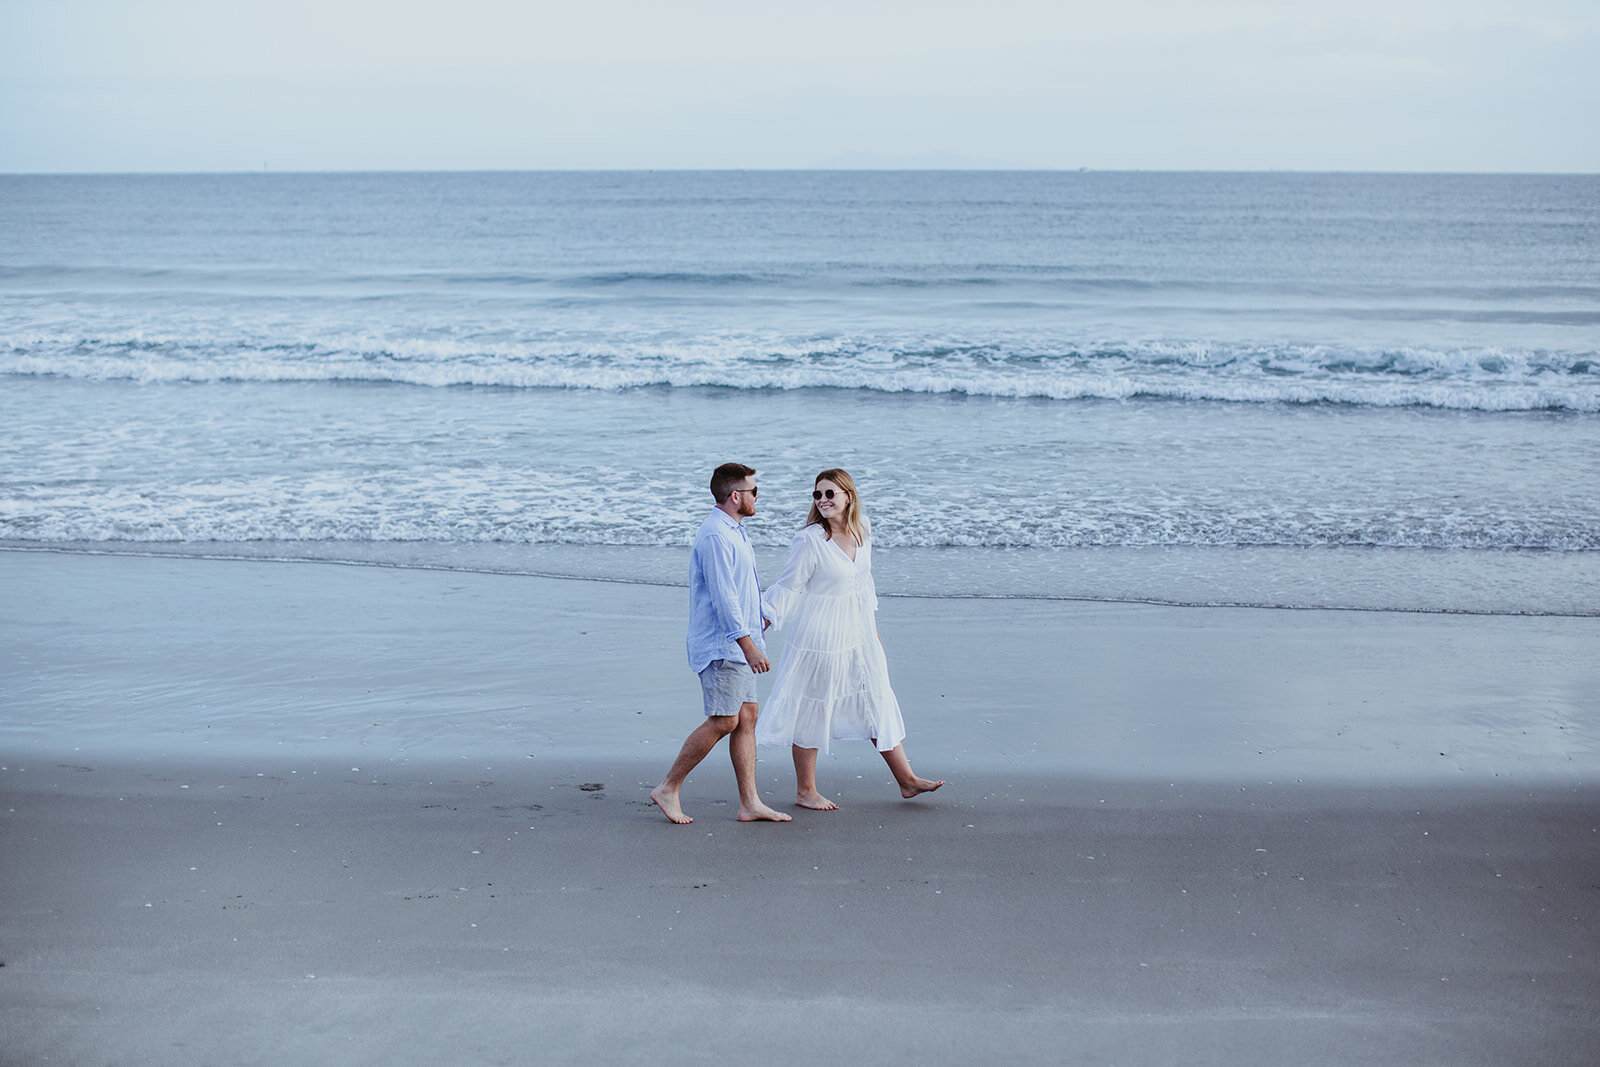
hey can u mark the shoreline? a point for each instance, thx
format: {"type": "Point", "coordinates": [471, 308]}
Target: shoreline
{"type": "Point", "coordinates": [151, 654]}
{"type": "Point", "coordinates": [1290, 572]}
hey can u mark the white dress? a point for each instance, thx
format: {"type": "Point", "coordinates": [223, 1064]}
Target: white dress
{"type": "Point", "coordinates": [832, 681]}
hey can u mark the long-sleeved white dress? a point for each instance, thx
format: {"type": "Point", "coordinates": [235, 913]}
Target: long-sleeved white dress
{"type": "Point", "coordinates": [832, 681]}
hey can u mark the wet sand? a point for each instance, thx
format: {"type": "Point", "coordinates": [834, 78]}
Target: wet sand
{"type": "Point", "coordinates": [251, 913]}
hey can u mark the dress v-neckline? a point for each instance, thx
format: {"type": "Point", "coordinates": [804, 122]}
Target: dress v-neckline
{"type": "Point", "coordinates": [842, 552]}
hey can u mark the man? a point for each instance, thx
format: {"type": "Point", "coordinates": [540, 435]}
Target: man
{"type": "Point", "coordinates": [725, 645]}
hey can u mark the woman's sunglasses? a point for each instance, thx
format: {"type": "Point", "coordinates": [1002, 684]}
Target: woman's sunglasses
{"type": "Point", "coordinates": [818, 494]}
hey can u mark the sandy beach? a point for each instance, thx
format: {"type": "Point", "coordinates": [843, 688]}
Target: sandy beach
{"type": "Point", "coordinates": [257, 812]}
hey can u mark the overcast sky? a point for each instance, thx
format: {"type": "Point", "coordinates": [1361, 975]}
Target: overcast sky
{"type": "Point", "coordinates": [164, 85]}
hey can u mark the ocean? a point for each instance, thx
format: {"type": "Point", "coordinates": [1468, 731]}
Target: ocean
{"type": "Point", "coordinates": [1374, 392]}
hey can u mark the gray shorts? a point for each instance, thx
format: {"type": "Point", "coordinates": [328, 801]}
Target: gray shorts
{"type": "Point", "coordinates": [727, 684]}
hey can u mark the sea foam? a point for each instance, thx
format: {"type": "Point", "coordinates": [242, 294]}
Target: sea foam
{"type": "Point", "coordinates": [1459, 378]}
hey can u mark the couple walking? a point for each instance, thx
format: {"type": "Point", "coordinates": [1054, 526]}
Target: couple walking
{"type": "Point", "coordinates": [832, 682]}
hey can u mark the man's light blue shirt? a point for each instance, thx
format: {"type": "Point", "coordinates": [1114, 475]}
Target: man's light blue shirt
{"type": "Point", "coordinates": [724, 596]}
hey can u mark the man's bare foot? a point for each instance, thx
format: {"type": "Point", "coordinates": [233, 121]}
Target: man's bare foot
{"type": "Point", "coordinates": [918, 786]}
{"type": "Point", "coordinates": [760, 812]}
{"type": "Point", "coordinates": [815, 801]}
{"type": "Point", "coordinates": [667, 800]}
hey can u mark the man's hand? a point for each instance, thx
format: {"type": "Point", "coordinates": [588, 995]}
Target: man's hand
{"type": "Point", "coordinates": [754, 656]}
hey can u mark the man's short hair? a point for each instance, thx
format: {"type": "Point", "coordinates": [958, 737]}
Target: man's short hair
{"type": "Point", "coordinates": [725, 477]}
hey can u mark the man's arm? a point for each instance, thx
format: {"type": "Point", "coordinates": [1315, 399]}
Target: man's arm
{"type": "Point", "coordinates": [720, 562]}
{"type": "Point", "coordinates": [754, 656]}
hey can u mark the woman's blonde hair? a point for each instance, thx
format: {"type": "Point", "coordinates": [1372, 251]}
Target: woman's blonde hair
{"type": "Point", "coordinates": [855, 520]}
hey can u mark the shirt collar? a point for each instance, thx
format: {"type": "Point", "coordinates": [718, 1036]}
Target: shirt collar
{"type": "Point", "coordinates": [728, 520]}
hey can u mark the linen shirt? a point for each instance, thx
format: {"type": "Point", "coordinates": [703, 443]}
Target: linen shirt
{"type": "Point", "coordinates": [724, 595]}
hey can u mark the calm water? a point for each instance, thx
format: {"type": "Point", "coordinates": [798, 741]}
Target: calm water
{"type": "Point", "coordinates": [1336, 390]}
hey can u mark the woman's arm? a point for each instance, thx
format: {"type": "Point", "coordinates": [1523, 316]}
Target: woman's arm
{"type": "Point", "coordinates": [871, 587]}
{"type": "Point", "coordinates": [779, 598]}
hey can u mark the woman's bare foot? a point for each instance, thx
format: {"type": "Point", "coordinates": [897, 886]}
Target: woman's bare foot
{"type": "Point", "coordinates": [815, 801]}
{"type": "Point", "coordinates": [900, 767]}
{"type": "Point", "coordinates": [667, 800]}
{"type": "Point", "coordinates": [759, 811]}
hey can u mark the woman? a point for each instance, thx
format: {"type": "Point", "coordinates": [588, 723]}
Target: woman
{"type": "Point", "coordinates": [832, 682]}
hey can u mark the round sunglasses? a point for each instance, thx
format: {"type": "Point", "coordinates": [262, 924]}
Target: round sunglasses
{"type": "Point", "coordinates": [818, 494]}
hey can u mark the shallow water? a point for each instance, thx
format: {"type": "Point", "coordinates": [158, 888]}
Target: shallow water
{"type": "Point", "coordinates": [1174, 502]}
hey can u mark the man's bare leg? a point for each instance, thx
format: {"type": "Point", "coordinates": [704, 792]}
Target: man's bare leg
{"type": "Point", "coordinates": [805, 781]}
{"type": "Point", "coordinates": [696, 747]}
{"type": "Point", "coordinates": [900, 767]}
{"type": "Point", "coordinates": [742, 747]}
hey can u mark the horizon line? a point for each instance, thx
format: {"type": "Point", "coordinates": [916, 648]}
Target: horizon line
{"type": "Point", "coordinates": [266, 171]}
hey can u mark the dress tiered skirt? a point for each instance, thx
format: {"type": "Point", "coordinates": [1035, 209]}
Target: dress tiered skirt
{"type": "Point", "coordinates": [832, 679]}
